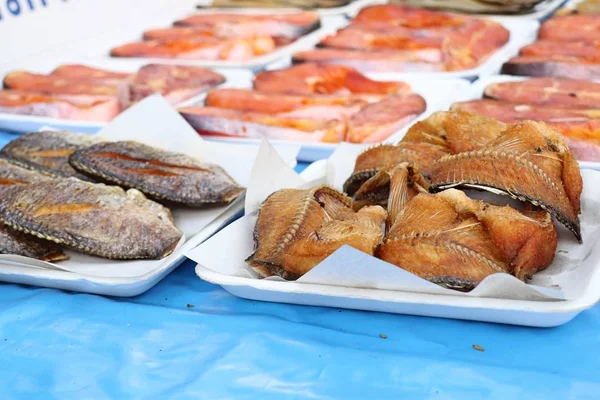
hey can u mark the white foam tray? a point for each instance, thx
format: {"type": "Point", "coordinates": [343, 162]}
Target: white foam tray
{"type": "Point", "coordinates": [30, 123]}
{"type": "Point", "coordinates": [522, 32]}
{"type": "Point", "coordinates": [439, 94]}
{"type": "Point", "coordinates": [486, 309]}
{"type": "Point", "coordinates": [479, 86]}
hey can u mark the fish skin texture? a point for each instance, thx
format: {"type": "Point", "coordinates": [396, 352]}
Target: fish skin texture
{"type": "Point", "coordinates": [95, 219]}
{"type": "Point", "coordinates": [160, 174]}
{"type": "Point", "coordinates": [48, 151]}
{"type": "Point", "coordinates": [530, 162]}
{"type": "Point", "coordinates": [297, 229]}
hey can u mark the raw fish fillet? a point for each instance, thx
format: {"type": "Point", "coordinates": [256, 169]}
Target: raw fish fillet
{"type": "Point", "coordinates": [579, 48]}
{"type": "Point", "coordinates": [557, 65]}
{"type": "Point", "coordinates": [361, 39]}
{"type": "Point", "coordinates": [60, 85]}
{"type": "Point", "coordinates": [409, 17]}
{"type": "Point", "coordinates": [571, 28]}
{"type": "Point", "coordinates": [84, 72]}
{"type": "Point", "coordinates": [74, 107]}
{"type": "Point", "coordinates": [224, 122]}
{"type": "Point", "coordinates": [530, 162]}
{"type": "Point", "coordinates": [323, 79]}
{"type": "Point", "coordinates": [297, 229]}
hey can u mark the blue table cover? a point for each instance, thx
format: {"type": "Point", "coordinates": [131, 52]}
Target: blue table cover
{"type": "Point", "coordinates": [186, 338]}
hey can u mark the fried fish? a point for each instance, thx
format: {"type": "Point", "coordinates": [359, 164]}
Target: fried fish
{"type": "Point", "coordinates": [160, 174]}
{"type": "Point", "coordinates": [11, 174]}
{"type": "Point", "coordinates": [48, 152]}
{"type": "Point", "coordinates": [92, 218]}
{"type": "Point", "coordinates": [297, 229]}
{"type": "Point", "coordinates": [456, 242]}
{"type": "Point", "coordinates": [530, 162]}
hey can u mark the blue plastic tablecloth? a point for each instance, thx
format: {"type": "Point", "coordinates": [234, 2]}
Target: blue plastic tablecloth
{"type": "Point", "coordinates": [188, 338]}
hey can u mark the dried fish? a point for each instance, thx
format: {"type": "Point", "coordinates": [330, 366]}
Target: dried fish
{"type": "Point", "coordinates": [530, 162]}
{"type": "Point", "coordinates": [297, 229]}
{"type": "Point", "coordinates": [92, 218]}
{"type": "Point", "coordinates": [160, 174]}
{"type": "Point", "coordinates": [48, 151]}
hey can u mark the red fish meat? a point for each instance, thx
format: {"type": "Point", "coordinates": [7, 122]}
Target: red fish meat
{"type": "Point", "coordinates": [378, 121]}
{"type": "Point", "coordinates": [198, 48]}
{"type": "Point", "coordinates": [571, 28]}
{"type": "Point", "coordinates": [558, 65]}
{"type": "Point", "coordinates": [244, 25]}
{"type": "Point", "coordinates": [550, 47]}
{"type": "Point", "coordinates": [59, 85]}
{"type": "Point", "coordinates": [224, 122]}
{"type": "Point", "coordinates": [323, 79]}
{"type": "Point", "coordinates": [409, 17]}
{"type": "Point", "coordinates": [359, 39]}
{"type": "Point", "coordinates": [73, 107]}
{"type": "Point", "coordinates": [86, 73]}
{"type": "Point", "coordinates": [562, 92]}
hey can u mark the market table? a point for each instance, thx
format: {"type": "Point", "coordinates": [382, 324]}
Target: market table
{"type": "Point", "coordinates": [188, 338]}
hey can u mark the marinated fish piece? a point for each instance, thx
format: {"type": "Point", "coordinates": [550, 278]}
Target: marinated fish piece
{"type": "Point", "coordinates": [374, 61]}
{"type": "Point", "coordinates": [297, 229]}
{"type": "Point", "coordinates": [558, 65]}
{"type": "Point", "coordinates": [376, 122]}
{"type": "Point", "coordinates": [290, 25]}
{"type": "Point", "coordinates": [198, 48]}
{"type": "Point", "coordinates": [457, 242]}
{"type": "Point", "coordinates": [475, 6]}
{"type": "Point", "coordinates": [175, 82]}
{"type": "Point", "coordinates": [48, 151]}
{"type": "Point", "coordinates": [160, 174]}
{"type": "Point", "coordinates": [323, 79]}
{"type": "Point", "coordinates": [409, 17]}
{"type": "Point", "coordinates": [358, 38]}
{"type": "Point", "coordinates": [75, 107]}
{"type": "Point", "coordinates": [177, 32]}
{"type": "Point", "coordinates": [566, 93]}
{"type": "Point", "coordinates": [95, 219]}
{"type": "Point", "coordinates": [543, 48]}
{"type": "Point", "coordinates": [53, 85]}
{"type": "Point", "coordinates": [301, 106]}
{"type": "Point", "coordinates": [571, 28]}
{"type": "Point", "coordinates": [223, 122]}
{"type": "Point", "coordinates": [530, 162]}
{"type": "Point", "coordinates": [86, 73]}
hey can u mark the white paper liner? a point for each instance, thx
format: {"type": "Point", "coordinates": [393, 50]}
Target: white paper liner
{"type": "Point", "coordinates": [565, 279]}
{"type": "Point", "coordinates": [154, 122]}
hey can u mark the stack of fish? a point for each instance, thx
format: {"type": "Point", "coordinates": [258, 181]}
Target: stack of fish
{"type": "Point", "coordinates": [221, 36]}
{"type": "Point", "coordinates": [79, 92]}
{"type": "Point", "coordinates": [51, 196]}
{"type": "Point", "coordinates": [394, 38]}
{"type": "Point", "coordinates": [309, 103]}
{"type": "Point", "coordinates": [432, 229]}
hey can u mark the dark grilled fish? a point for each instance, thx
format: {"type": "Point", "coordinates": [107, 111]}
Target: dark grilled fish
{"type": "Point", "coordinates": [11, 174]}
{"type": "Point", "coordinates": [297, 229]}
{"type": "Point", "coordinates": [48, 152]}
{"type": "Point", "coordinates": [161, 174]}
{"type": "Point", "coordinates": [92, 218]}
{"type": "Point", "coordinates": [530, 162]}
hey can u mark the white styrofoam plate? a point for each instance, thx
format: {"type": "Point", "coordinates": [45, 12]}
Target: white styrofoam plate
{"type": "Point", "coordinates": [479, 86]}
{"type": "Point", "coordinates": [529, 312]}
{"type": "Point", "coordinates": [31, 123]}
{"type": "Point", "coordinates": [439, 94]}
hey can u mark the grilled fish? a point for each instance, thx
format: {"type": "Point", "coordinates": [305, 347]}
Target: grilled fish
{"type": "Point", "coordinates": [291, 25]}
{"type": "Point", "coordinates": [530, 162]}
{"type": "Point", "coordinates": [476, 6]}
{"type": "Point", "coordinates": [297, 229]}
{"type": "Point", "coordinates": [175, 82]}
{"type": "Point", "coordinates": [160, 174]}
{"type": "Point", "coordinates": [75, 107]}
{"type": "Point", "coordinates": [564, 93]}
{"type": "Point", "coordinates": [11, 174]}
{"type": "Point", "coordinates": [223, 122]}
{"type": "Point", "coordinates": [456, 242]}
{"type": "Point", "coordinates": [323, 79]}
{"type": "Point", "coordinates": [48, 151]}
{"type": "Point", "coordinates": [92, 218]}
{"type": "Point", "coordinates": [376, 122]}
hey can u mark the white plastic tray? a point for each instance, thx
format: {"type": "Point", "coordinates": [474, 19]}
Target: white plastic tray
{"type": "Point", "coordinates": [154, 122]}
{"type": "Point", "coordinates": [509, 301]}
{"type": "Point", "coordinates": [522, 32]}
{"type": "Point", "coordinates": [30, 123]}
{"type": "Point", "coordinates": [438, 93]}
{"type": "Point", "coordinates": [479, 86]}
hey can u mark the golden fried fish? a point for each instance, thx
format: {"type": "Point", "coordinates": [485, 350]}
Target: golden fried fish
{"type": "Point", "coordinates": [48, 151]}
{"type": "Point", "coordinates": [92, 218]}
{"type": "Point", "coordinates": [530, 162]}
{"type": "Point", "coordinates": [456, 242]}
{"type": "Point", "coordinates": [160, 174]}
{"type": "Point", "coordinates": [297, 229]}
